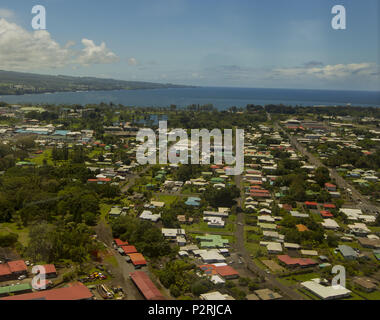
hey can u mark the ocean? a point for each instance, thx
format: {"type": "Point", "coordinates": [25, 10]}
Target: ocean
{"type": "Point", "coordinates": [221, 98]}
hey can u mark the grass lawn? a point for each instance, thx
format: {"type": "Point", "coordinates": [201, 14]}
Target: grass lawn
{"type": "Point", "coordinates": [295, 279]}
{"type": "Point", "coordinates": [253, 248]}
{"type": "Point", "coordinates": [168, 199]}
{"type": "Point", "coordinates": [354, 296]}
{"type": "Point", "coordinates": [202, 226]}
{"type": "Point", "coordinates": [23, 233]}
{"type": "Point", "coordinates": [112, 260]}
{"type": "Point", "coordinates": [104, 209]}
{"type": "Point", "coordinates": [39, 158]}
{"type": "Point", "coordinates": [231, 239]}
{"type": "Point", "coordinates": [374, 229]}
{"type": "Point", "coordinates": [369, 296]}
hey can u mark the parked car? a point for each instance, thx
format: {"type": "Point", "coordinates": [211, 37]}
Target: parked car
{"type": "Point", "coordinates": [22, 277]}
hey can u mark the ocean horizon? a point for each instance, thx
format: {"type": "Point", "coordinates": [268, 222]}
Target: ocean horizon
{"type": "Point", "coordinates": [220, 97]}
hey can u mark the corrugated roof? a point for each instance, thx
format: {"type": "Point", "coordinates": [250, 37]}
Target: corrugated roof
{"type": "Point", "coordinates": [146, 286]}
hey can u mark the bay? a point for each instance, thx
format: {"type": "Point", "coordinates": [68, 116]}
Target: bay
{"type": "Point", "coordinates": [221, 98]}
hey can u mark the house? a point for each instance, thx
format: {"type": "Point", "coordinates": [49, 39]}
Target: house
{"type": "Point", "coordinates": [347, 252]}
{"type": "Point", "coordinates": [193, 201]}
{"type": "Point", "coordinates": [148, 215]}
{"type": "Point", "coordinates": [212, 241]}
{"type": "Point", "coordinates": [296, 262]}
{"type": "Point", "coordinates": [172, 233]}
{"type": "Point", "coordinates": [330, 224]}
{"type": "Point", "coordinates": [274, 247]}
{"type": "Point", "coordinates": [311, 205]}
{"type": "Point", "coordinates": [328, 206]}
{"type": "Point", "coordinates": [267, 294]}
{"type": "Point", "coordinates": [330, 187]}
{"type": "Point", "coordinates": [369, 243]}
{"type": "Point", "coordinates": [212, 256]}
{"type": "Point", "coordinates": [365, 284]}
{"type": "Point", "coordinates": [302, 228]}
{"type": "Point", "coordinates": [326, 214]}
{"type": "Point", "coordinates": [359, 229]}
{"type": "Point", "coordinates": [115, 212]}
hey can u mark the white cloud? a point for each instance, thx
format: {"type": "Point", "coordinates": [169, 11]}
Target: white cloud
{"type": "Point", "coordinates": [6, 13]}
{"type": "Point", "coordinates": [24, 50]}
{"type": "Point", "coordinates": [132, 62]}
{"type": "Point", "coordinates": [329, 72]}
{"type": "Point", "coordinates": [93, 54]}
{"type": "Point", "coordinates": [20, 49]}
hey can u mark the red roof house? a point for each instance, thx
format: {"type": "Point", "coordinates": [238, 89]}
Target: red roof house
{"type": "Point", "coordinates": [326, 214]}
{"type": "Point", "coordinates": [227, 272]}
{"type": "Point", "coordinates": [294, 262]}
{"type": "Point", "coordinates": [311, 205]}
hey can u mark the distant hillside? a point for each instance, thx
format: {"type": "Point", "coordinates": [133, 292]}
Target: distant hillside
{"type": "Point", "coordinates": [16, 83]}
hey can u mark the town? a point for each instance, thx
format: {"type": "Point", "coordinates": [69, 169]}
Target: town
{"type": "Point", "coordinates": [75, 200]}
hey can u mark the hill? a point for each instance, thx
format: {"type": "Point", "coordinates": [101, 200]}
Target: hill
{"type": "Point", "coordinates": [16, 83]}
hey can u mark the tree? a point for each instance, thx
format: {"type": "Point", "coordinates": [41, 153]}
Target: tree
{"type": "Point", "coordinates": [322, 175]}
{"type": "Point", "coordinates": [25, 143]}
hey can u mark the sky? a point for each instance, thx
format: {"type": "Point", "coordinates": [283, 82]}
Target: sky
{"type": "Point", "coordinates": [229, 43]}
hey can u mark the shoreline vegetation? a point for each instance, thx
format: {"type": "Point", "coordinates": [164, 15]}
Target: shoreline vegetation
{"type": "Point", "coordinates": [20, 83]}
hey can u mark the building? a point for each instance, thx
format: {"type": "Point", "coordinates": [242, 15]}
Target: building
{"type": "Point", "coordinates": [12, 270]}
{"type": "Point", "coordinates": [369, 243]}
{"type": "Point", "coordinates": [326, 292]}
{"type": "Point", "coordinates": [330, 224]}
{"type": "Point", "coordinates": [365, 284]}
{"type": "Point", "coordinates": [347, 252]}
{"type": "Point", "coordinates": [146, 286]}
{"type": "Point", "coordinates": [137, 259]}
{"type": "Point", "coordinates": [50, 271]}
{"type": "Point", "coordinates": [311, 205]}
{"type": "Point", "coordinates": [120, 243]}
{"type": "Point", "coordinates": [212, 256]}
{"type": "Point", "coordinates": [267, 294]}
{"type": "Point", "coordinates": [128, 249]}
{"type": "Point", "coordinates": [15, 289]}
{"type": "Point", "coordinates": [215, 295]}
{"type": "Point", "coordinates": [75, 291]}
{"type": "Point", "coordinates": [148, 215]}
{"type": "Point", "coordinates": [302, 228]}
{"type": "Point", "coordinates": [296, 262]}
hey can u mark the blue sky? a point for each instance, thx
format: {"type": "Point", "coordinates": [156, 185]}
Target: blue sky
{"type": "Point", "coordinates": [241, 43]}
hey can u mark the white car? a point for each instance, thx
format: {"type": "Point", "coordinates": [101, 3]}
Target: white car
{"type": "Point", "coordinates": [22, 277]}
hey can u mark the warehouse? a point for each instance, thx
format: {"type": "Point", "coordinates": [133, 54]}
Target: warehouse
{"type": "Point", "coordinates": [326, 293]}
{"type": "Point", "coordinates": [77, 291]}
{"type": "Point", "coordinates": [146, 286]}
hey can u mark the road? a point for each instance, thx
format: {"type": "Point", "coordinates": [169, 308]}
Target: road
{"type": "Point", "coordinates": [239, 235]}
{"type": "Point", "coordinates": [341, 182]}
